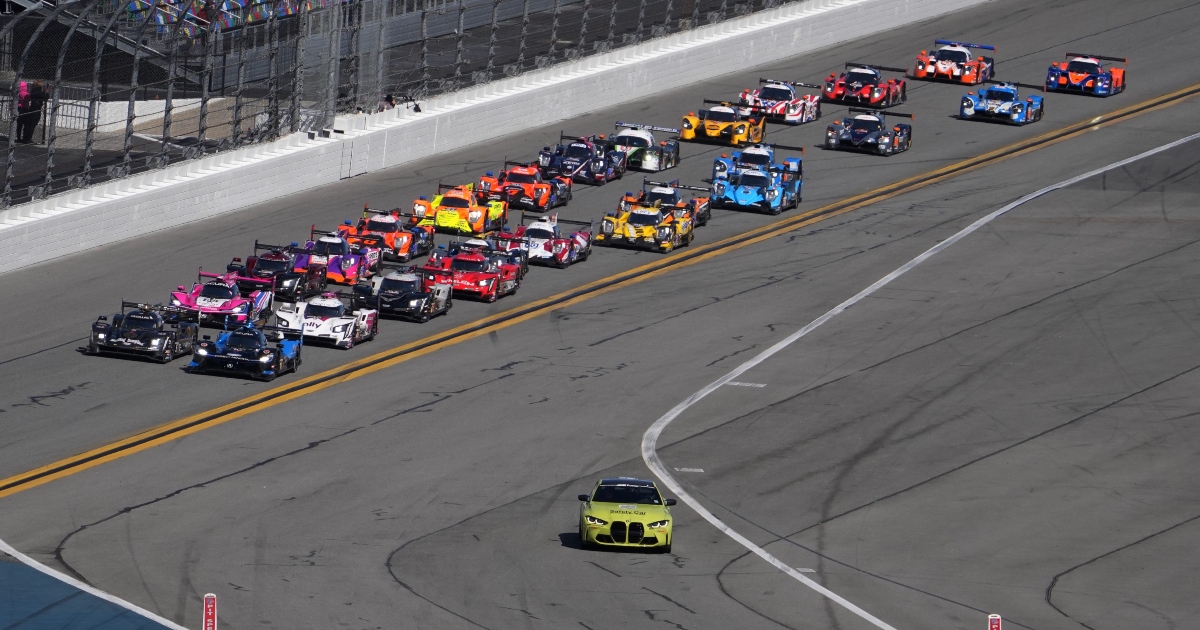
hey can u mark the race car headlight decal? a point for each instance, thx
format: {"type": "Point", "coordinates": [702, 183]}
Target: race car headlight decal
{"type": "Point", "coordinates": [175, 302]}
{"type": "Point", "coordinates": [414, 303]}
{"type": "Point", "coordinates": [201, 352]}
{"type": "Point", "coordinates": [687, 124]}
{"type": "Point", "coordinates": [243, 308]}
{"type": "Point", "coordinates": [658, 524]}
{"type": "Point", "coordinates": [419, 210]}
{"type": "Point", "coordinates": [720, 188]}
{"type": "Point", "coordinates": [484, 283]}
{"type": "Point", "coordinates": [607, 227]}
{"type": "Point", "coordinates": [266, 358]}
{"type": "Point", "coordinates": [100, 335]}
{"type": "Point", "coordinates": [559, 247]}
{"type": "Point", "coordinates": [740, 129]}
{"type": "Point", "coordinates": [154, 342]}
{"type": "Point", "coordinates": [340, 328]}
{"type": "Point", "coordinates": [664, 232]}
{"type": "Point", "coordinates": [592, 520]}
{"type": "Point", "coordinates": [474, 216]}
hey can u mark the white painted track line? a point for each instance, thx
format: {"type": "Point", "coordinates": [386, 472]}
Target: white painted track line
{"type": "Point", "coordinates": [650, 438]}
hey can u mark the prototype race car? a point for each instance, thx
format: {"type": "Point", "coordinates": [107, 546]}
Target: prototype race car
{"type": "Point", "coordinates": [1002, 103]}
{"type": "Point", "coordinates": [460, 210]}
{"type": "Point", "coordinates": [277, 264]}
{"type": "Point", "coordinates": [867, 130]}
{"type": "Point", "coordinates": [343, 262]}
{"type": "Point", "coordinates": [725, 124]}
{"type": "Point", "coordinates": [220, 302]}
{"type": "Point", "coordinates": [400, 242]}
{"type": "Point", "coordinates": [404, 292]}
{"type": "Point", "coordinates": [521, 185]}
{"type": "Point", "coordinates": [781, 101]}
{"type": "Point", "coordinates": [953, 62]}
{"type": "Point", "coordinates": [771, 190]}
{"type": "Point", "coordinates": [342, 319]}
{"type": "Point", "coordinates": [502, 248]}
{"type": "Point", "coordinates": [246, 351]}
{"type": "Point", "coordinates": [1086, 74]}
{"type": "Point", "coordinates": [668, 195]}
{"type": "Point", "coordinates": [586, 159]}
{"type": "Point", "coordinates": [637, 142]}
{"type": "Point", "coordinates": [761, 157]}
{"type": "Point", "coordinates": [650, 227]}
{"type": "Point", "coordinates": [157, 332]}
{"type": "Point", "coordinates": [473, 273]}
{"type": "Point", "coordinates": [625, 512]}
{"type": "Point", "coordinates": [546, 243]}
{"type": "Point", "coordinates": [863, 84]}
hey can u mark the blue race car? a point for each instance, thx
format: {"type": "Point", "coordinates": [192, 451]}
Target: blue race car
{"type": "Point", "coordinates": [1085, 74]}
{"type": "Point", "coordinates": [760, 156]}
{"type": "Point", "coordinates": [585, 159]}
{"type": "Point", "coordinates": [246, 351]}
{"type": "Point", "coordinates": [770, 190]}
{"type": "Point", "coordinates": [1002, 103]}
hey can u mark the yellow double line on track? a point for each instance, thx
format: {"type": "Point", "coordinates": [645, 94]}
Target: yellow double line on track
{"type": "Point", "coordinates": [309, 384]}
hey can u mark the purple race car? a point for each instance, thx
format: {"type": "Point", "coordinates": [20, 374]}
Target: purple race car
{"type": "Point", "coordinates": [220, 302]}
{"type": "Point", "coordinates": [344, 263]}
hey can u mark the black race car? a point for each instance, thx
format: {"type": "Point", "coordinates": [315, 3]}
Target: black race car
{"type": "Point", "coordinates": [405, 293]}
{"type": "Point", "coordinates": [868, 130]}
{"type": "Point", "coordinates": [279, 263]}
{"type": "Point", "coordinates": [154, 331]}
{"type": "Point", "coordinates": [585, 159]}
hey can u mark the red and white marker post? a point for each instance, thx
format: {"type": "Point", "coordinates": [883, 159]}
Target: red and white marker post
{"type": "Point", "coordinates": [210, 612]}
{"type": "Point", "coordinates": [993, 622]}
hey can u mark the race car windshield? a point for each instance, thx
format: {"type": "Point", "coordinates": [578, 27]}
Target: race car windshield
{"type": "Point", "coordinates": [459, 264]}
{"type": "Point", "coordinates": [957, 56]}
{"type": "Point", "coordinates": [644, 219]}
{"type": "Point", "coordinates": [246, 341]}
{"type": "Point", "coordinates": [632, 141]}
{"type": "Point", "coordinates": [866, 125]}
{"type": "Point", "coordinates": [865, 77]}
{"type": "Point", "coordinates": [999, 95]}
{"type": "Point", "coordinates": [138, 323]}
{"type": "Point", "coordinates": [667, 199]}
{"type": "Point", "coordinates": [216, 292]}
{"type": "Point", "coordinates": [455, 202]}
{"type": "Point", "coordinates": [539, 233]}
{"type": "Point", "coordinates": [326, 248]}
{"type": "Point", "coordinates": [641, 495]}
{"type": "Point", "coordinates": [754, 181]}
{"type": "Point", "coordinates": [579, 151]}
{"type": "Point", "coordinates": [771, 93]}
{"type": "Point", "coordinates": [1083, 67]}
{"type": "Point", "coordinates": [521, 178]}
{"type": "Point", "coordinates": [399, 286]}
{"type": "Point", "coordinates": [266, 264]}
{"type": "Point", "coordinates": [719, 116]}
{"type": "Point", "coordinates": [324, 312]}
{"type": "Point", "coordinates": [754, 158]}
{"type": "Point", "coordinates": [386, 227]}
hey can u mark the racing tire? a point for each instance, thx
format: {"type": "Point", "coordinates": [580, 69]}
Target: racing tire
{"type": "Point", "coordinates": [349, 343]}
{"type": "Point", "coordinates": [93, 348]}
{"type": "Point", "coordinates": [904, 94]}
{"type": "Point", "coordinates": [423, 318]}
{"type": "Point", "coordinates": [583, 541]}
{"type": "Point", "coordinates": [374, 330]}
{"type": "Point", "coordinates": [665, 549]}
{"type": "Point", "coordinates": [493, 296]}
{"type": "Point", "coordinates": [167, 355]}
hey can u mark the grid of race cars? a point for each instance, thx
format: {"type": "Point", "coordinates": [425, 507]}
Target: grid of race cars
{"type": "Point", "coordinates": [335, 286]}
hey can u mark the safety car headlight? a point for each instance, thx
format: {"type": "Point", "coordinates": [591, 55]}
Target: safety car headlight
{"type": "Point", "coordinates": [201, 351]}
{"type": "Point", "coordinates": [658, 524]}
{"type": "Point", "coordinates": [592, 520]}
{"type": "Point", "coordinates": [340, 328]}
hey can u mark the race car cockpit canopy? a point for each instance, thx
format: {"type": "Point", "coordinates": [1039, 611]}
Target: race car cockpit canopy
{"type": "Point", "coordinates": [957, 54]}
{"type": "Point", "coordinates": [776, 92]}
{"type": "Point", "coordinates": [636, 138]}
{"type": "Point", "coordinates": [720, 113]}
{"type": "Point", "coordinates": [217, 291]}
{"type": "Point", "coordinates": [866, 122]}
{"type": "Point", "coordinates": [330, 246]}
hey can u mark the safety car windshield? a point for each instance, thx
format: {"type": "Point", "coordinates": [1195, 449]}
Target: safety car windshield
{"type": "Point", "coordinates": [999, 95]}
{"type": "Point", "coordinates": [217, 291]}
{"type": "Point", "coordinates": [1083, 67]}
{"type": "Point", "coordinates": [459, 264]}
{"type": "Point", "coordinates": [865, 77]}
{"type": "Point", "coordinates": [327, 248]}
{"type": "Point", "coordinates": [632, 141]}
{"type": "Point", "coordinates": [539, 233]}
{"type": "Point", "coordinates": [455, 202]}
{"type": "Point", "coordinates": [324, 312]}
{"type": "Point", "coordinates": [637, 218]}
{"type": "Point", "coordinates": [246, 341]}
{"type": "Point", "coordinates": [266, 264]}
{"type": "Point", "coordinates": [957, 56]}
{"type": "Point", "coordinates": [754, 181]}
{"type": "Point", "coordinates": [667, 199]}
{"type": "Point", "coordinates": [521, 178]}
{"type": "Point", "coordinates": [720, 116]}
{"type": "Point", "coordinates": [138, 323]}
{"type": "Point", "coordinates": [866, 125]}
{"type": "Point", "coordinates": [399, 286]}
{"type": "Point", "coordinates": [641, 495]}
{"type": "Point", "coordinates": [381, 226]}
{"type": "Point", "coordinates": [771, 93]}
{"type": "Point", "coordinates": [579, 151]}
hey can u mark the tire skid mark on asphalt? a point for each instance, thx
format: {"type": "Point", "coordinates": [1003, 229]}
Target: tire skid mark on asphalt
{"type": "Point", "coordinates": [405, 352]}
{"type": "Point", "coordinates": [650, 438]}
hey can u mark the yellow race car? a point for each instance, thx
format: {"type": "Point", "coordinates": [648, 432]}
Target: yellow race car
{"type": "Point", "coordinates": [725, 124]}
{"type": "Point", "coordinates": [457, 210]}
{"type": "Point", "coordinates": [648, 227]}
{"type": "Point", "coordinates": [625, 512]}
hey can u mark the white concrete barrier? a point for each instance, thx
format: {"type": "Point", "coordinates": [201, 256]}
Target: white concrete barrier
{"type": "Point", "coordinates": [199, 189]}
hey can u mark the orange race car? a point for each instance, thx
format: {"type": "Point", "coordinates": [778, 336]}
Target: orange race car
{"type": "Point", "coordinates": [459, 210]}
{"type": "Point", "coordinates": [400, 242]}
{"type": "Point", "coordinates": [521, 185]}
{"type": "Point", "coordinates": [954, 62]}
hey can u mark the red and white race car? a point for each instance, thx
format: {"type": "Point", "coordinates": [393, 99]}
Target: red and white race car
{"type": "Point", "coordinates": [782, 101]}
{"type": "Point", "coordinates": [548, 244]}
{"type": "Point", "coordinates": [863, 84]}
{"type": "Point", "coordinates": [473, 273]}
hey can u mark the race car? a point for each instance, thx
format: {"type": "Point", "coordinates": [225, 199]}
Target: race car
{"type": "Point", "coordinates": [863, 84]}
{"type": "Point", "coordinates": [404, 292]}
{"type": "Point", "coordinates": [400, 242]}
{"type": "Point", "coordinates": [219, 301]}
{"type": "Point", "coordinates": [1002, 103]}
{"type": "Point", "coordinates": [278, 263]}
{"type": "Point", "coordinates": [521, 185]}
{"type": "Point", "coordinates": [781, 101]}
{"type": "Point", "coordinates": [669, 196]}
{"type": "Point", "coordinates": [771, 190]}
{"type": "Point", "coordinates": [650, 227]}
{"type": "Point", "coordinates": [157, 332]}
{"type": "Point", "coordinates": [473, 273]}
{"type": "Point", "coordinates": [246, 351]}
{"type": "Point", "coordinates": [636, 142]}
{"type": "Point", "coordinates": [546, 243]}
{"type": "Point", "coordinates": [867, 130]}
{"type": "Point", "coordinates": [953, 62]}
{"type": "Point", "coordinates": [342, 319]}
{"type": "Point", "coordinates": [342, 262]}
{"type": "Point", "coordinates": [725, 124]}
{"type": "Point", "coordinates": [586, 159]}
{"type": "Point", "coordinates": [760, 156]}
{"type": "Point", "coordinates": [460, 210]}
{"type": "Point", "coordinates": [1086, 74]}
{"type": "Point", "coordinates": [625, 512]}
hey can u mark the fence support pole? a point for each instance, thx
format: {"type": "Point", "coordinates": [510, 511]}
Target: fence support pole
{"type": "Point", "coordinates": [298, 73]}
{"type": "Point", "coordinates": [641, 19]}
{"type": "Point", "coordinates": [168, 103]}
{"type": "Point", "coordinates": [206, 72]}
{"type": "Point", "coordinates": [380, 57]}
{"type": "Point", "coordinates": [334, 51]}
{"type": "Point", "coordinates": [554, 29]}
{"type": "Point", "coordinates": [612, 26]}
{"type": "Point", "coordinates": [695, 14]}
{"type": "Point", "coordinates": [354, 17]}
{"type": "Point", "coordinates": [273, 77]}
{"type": "Point", "coordinates": [85, 175]}
{"type": "Point", "coordinates": [462, 34]}
{"type": "Point", "coordinates": [583, 18]}
{"type": "Point", "coordinates": [51, 124]}
{"type": "Point", "coordinates": [424, 89]}
{"type": "Point", "coordinates": [492, 42]}
{"type": "Point", "coordinates": [524, 34]}
{"type": "Point", "coordinates": [131, 111]}
{"type": "Point", "coordinates": [667, 19]}
{"type": "Point", "coordinates": [235, 134]}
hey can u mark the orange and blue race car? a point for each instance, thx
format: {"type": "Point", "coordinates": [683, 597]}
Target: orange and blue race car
{"type": "Point", "coordinates": [953, 62]}
{"type": "Point", "coordinates": [1086, 74]}
{"type": "Point", "coordinates": [863, 84]}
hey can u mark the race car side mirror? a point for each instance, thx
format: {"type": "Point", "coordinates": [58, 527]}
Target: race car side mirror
{"type": "Point", "coordinates": [1054, 65]}
{"type": "Point", "coordinates": [208, 337]}
{"type": "Point", "coordinates": [237, 260]}
{"type": "Point", "coordinates": [980, 58]}
{"type": "Point", "coordinates": [663, 143]}
{"type": "Point", "coordinates": [583, 497]}
{"type": "Point", "coordinates": [669, 502]}
{"type": "Point", "coordinates": [924, 52]}
{"type": "Point", "coordinates": [545, 148]}
{"type": "Point", "coordinates": [180, 288]}
{"type": "Point", "coordinates": [102, 318]}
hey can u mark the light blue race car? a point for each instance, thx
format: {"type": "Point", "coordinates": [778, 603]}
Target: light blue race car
{"type": "Point", "coordinates": [247, 351]}
{"type": "Point", "coordinates": [759, 156]}
{"type": "Point", "coordinates": [770, 190]}
{"type": "Point", "coordinates": [1002, 103]}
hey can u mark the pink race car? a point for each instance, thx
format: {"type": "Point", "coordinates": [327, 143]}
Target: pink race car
{"type": "Point", "coordinates": [220, 302]}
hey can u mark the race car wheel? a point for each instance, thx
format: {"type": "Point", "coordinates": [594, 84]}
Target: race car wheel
{"type": "Point", "coordinates": [167, 355]}
{"type": "Point", "coordinates": [374, 330]}
{"type": "Point", "coordinates": [583, 541]}
{"type": "Point", "coordinates": [494, 295]}
{"type": "Point", "coordinates": [665, 548]}
{"type": "Point", "coordinates": [904, 94]}
{"type": "Point", "coordinates": [424, 317]}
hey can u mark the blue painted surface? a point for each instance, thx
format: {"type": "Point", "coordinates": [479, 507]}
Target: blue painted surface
{"type": "Point", "coordinates": [31, 600]}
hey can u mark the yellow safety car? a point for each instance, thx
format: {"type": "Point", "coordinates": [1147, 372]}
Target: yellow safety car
{"type": "Point", "coordinates": [625, 512]}
{"type": "Point", "coordinates": [652, 227]}
{"type": "Point", "coordinates": [458, 210]}
{"type": "Point", "coordinates": [724, 123]}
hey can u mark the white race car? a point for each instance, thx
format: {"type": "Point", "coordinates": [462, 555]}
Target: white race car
{"type": "Point", "coordinates": [782, 101]}
{"type": "Point", "coordinates": [331, 317]}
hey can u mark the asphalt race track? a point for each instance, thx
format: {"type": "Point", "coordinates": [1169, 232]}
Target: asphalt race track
{"type": "Point", "coordinates": [1007, 428]}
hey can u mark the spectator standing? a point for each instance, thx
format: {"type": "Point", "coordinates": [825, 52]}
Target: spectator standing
{"type": "Point", "coordinates": [37, 103]}
{"type": "Point", "coordinates": [23, 102]}
{"type": "Point", "coordinates": [387, 103]}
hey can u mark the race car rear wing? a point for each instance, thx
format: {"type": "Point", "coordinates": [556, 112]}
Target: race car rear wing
{"type": "Point", "coordinates": [258, 247]}
{"type": "Point", "coordinates": [785, 147]}
{"type": "Point", "coordinates": [508, 163]}
{"type": "Point", "coordinates": [946, 42]}
{"type": "Point", "coordinates": [313, 232]}
{"type": "Point", "coordinates": [1027, 86]}
{"type": "Point", "coordinates": [855, 64]}
{"type": "Point", "coordinates": [795, 84]}
{"type": "Point", "coordinates": [367, 209]}
{"type": "Point", "coordinates": [626, 125]}
{"type": "Point", "coordinates": [671, 184]}
{"type": "Point", "coordinates": [370, 301]}
{"type": "Point", "coordinates": [276, 333]}
{"type": "Point", "coordinates": [1120, 59]}
{"type": "Point", "coordinates": [731, 104]}
{"type": "Point", "coordinates": [176, 313]}
{"type": "Point", "coordinates": [233, 276]}
{"type": "Point", "coordinates": [879, 112]}
{"type": "Point", "coordinates": [562, 137]}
